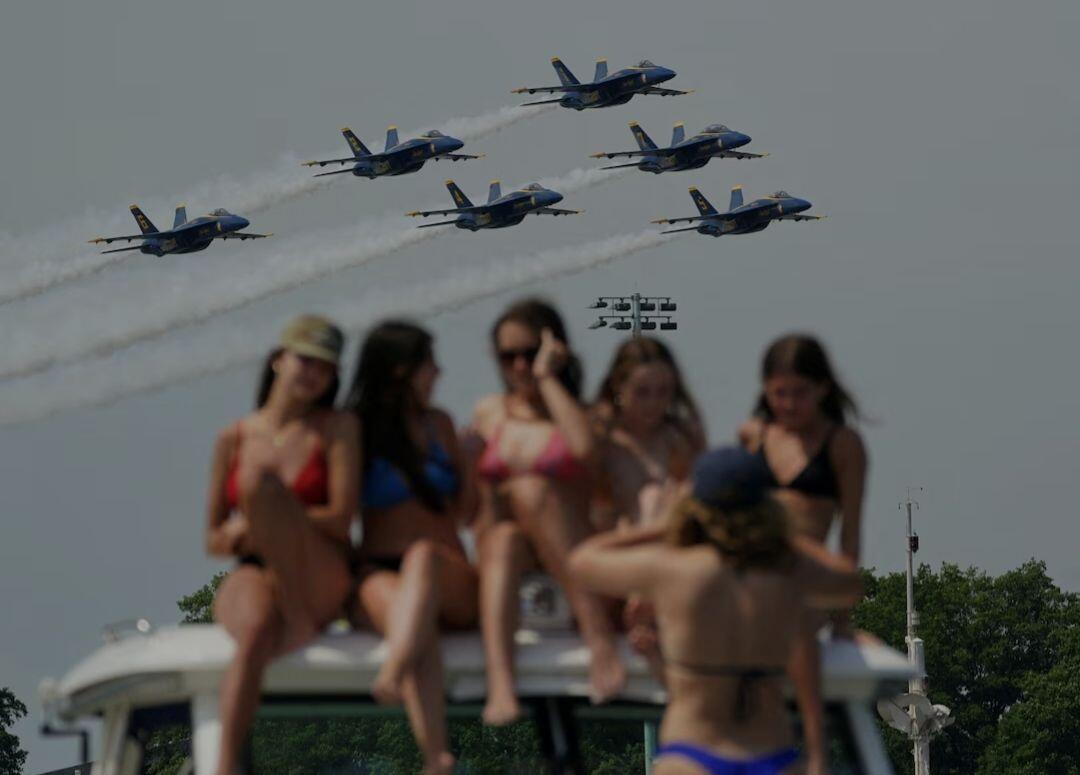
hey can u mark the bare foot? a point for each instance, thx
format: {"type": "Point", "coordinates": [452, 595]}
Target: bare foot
{"type": "Point", "coordinates": [443, 765]}
{"type": "Point", "coordinates": [500, 709]}
{"type": "Point", "coordinates": [606, 673]}
{"type": "Point", "coordinates": [386, 689]}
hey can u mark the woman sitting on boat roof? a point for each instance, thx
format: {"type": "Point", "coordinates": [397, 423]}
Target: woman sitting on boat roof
{"type": "Point", "coordinates": [731, 585]}
{"type": "Point", "coordinates": [535, 457]}
{"type": "Point", "coordinates": [413, 573]}
{"type": "Point", "coordinates": [281, 498]}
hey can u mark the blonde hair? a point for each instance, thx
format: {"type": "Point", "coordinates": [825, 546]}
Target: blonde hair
{"type": "Point", "coordinates": [755, 536]}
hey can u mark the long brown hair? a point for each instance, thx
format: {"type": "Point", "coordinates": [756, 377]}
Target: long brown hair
{"type": "Point", "coordinates": [639, 351]}
{"type": "Point", "coordinates": [381, 396]}
{"type": "Point", "coordinates": [756, 536]}
{"type": "Point", "coordinates": [536, 315]}
{"type": "Point", "coordinates": [804, 356]}
{"type": "Point", "coordinates": [266, 384]}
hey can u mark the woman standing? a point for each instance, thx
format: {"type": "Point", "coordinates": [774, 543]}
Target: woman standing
{"type": "Point", "coordinates": [281, 497]}
{"type": "Point", "coordinates": [817, 464]}
{"type": "Point", "coordinates": [413, 572]}
{"type": "Point", "coordinates": [730, 586]}
{"type": "Point", "coordinates": [536, 481]}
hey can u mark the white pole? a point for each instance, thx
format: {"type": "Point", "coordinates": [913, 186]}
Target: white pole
{"type": "Point", "coordinates": [635, 313]}
{"type": "Point", "coordinates": [917, 685]}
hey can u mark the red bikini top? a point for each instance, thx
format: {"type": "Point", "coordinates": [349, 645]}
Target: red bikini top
{"type": "Point", "coordinates": [555, 460]}
{"type": "Point", "coordinates": [311, 486]}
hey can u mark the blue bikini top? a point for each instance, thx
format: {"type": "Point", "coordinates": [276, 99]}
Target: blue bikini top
{"type": "Point", "coordinates": [385, 487]}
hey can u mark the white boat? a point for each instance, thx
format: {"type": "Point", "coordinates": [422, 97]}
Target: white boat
{"type": "Point", "coordinates": [167, 679]}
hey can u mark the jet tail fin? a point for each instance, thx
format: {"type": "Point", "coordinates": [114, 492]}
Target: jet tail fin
{"type": "Point", "coordinates": [644, 142]}
{"type": "Point", "coordinates": [678, 133]}
{"type": "Point", "coordinates": [391, 137]}
{"type": "Point", "coordinates": [459, 196]}
{"type": "Point", "coordinates": [144, 223]}
{"type": "Point", "coordinates": [702, 203]}
{"type": "Point", "coordinates": [736, 198]}
{"type": "Point", "coordinates": [566, 78]}
{"type": "Point", "coordinates": [181, 216]}
{"type": "Point", "coordinates": [358, 148]}
{"type": "Point", "coordinates": [601, 70]}
{"type": "Point", "coordinates": [494, 191]}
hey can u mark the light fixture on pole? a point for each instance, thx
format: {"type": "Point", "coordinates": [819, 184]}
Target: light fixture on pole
{"type": "Point", "coordinates": [635, 313]}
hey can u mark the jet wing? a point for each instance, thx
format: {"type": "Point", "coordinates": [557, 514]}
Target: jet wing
{"type": "Point", "coordinates": [551, 89]}
{"type": "Point", "coordinates": [800, 217]}
{"type": "Point", "coordinates": [664, 92]}
{"type": "Point", "coordinates": [555, 211]}
{"type": "Point", "coordinates": [241, 235]}
{"type": "Point", "coordinates": [129, 237]}
{"type": "Point", "coordinates": [324, 162]}
{"type": "Point", "coordinates": [688, 219]}
{"type": "Point", "coordinates": [632, 154]}
{"type": "Point", "coordinates": [741, 155]}
{"type": "Point", "coordinates": [451, 211]}
{"type": "Point", "coordinates": [457, 156]}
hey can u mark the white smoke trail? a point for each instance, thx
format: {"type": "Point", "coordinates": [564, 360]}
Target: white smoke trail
{"type": "Point", "coordinates": [150, 365]}
{"type": "Point", "coordinates": [75, 324]}
{"type": "Point", "coordinates": [33, 263]}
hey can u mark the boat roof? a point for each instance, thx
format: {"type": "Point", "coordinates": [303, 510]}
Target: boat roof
{"type": "Point", "coordinates": [175, 662]}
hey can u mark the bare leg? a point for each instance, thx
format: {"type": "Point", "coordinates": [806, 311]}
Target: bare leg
{"type": "Point", "coordinates": [246, 607]}
{"type": "Point", "coordinates": [425, 705]}
{"type": "Point", "coordinates": [804, 667]}
{"type": "Point", "coordinates": [504, 558]}
{"type": "Point", "coordinates": [553, 532]}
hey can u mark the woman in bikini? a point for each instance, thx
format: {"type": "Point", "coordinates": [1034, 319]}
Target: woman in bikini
{"type": "Point", "coordinates": [413, 573]}
{"type": "Point", "coordinates": [535, 470]}
{"type": "Point", "coordinates": [281, 498]}
{"type": "Point", "coordinates": [816, 464]}
{"type": "Point", "coordinates": [650, 432]}
{"type": "Point", "coordinates": [730, 583]}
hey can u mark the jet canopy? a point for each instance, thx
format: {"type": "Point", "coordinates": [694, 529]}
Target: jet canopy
{"type": "Point", "coordinates": [533, 187]}
{"type": "Point", "coordinates": [715, 129]}
{"type": "Point", "coordinates": [221, 211]}
{"type": "Point", "coordinates": [433, 133]}
{"type": "Point", "coordinates": [645, 63]}
{"type": "Point", "coordinates": [781, 195]}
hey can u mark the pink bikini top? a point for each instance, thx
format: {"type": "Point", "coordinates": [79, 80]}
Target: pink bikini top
{"type": "Point", "coordinates": [555, 461]}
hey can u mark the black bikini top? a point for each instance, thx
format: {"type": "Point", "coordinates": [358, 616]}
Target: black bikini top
{"type": "Point", "coordinates": [817, 479]}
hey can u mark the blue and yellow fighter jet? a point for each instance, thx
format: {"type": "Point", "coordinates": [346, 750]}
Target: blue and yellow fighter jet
{"type": "Point", "coordinates": [604, 90]}
{"type": "Point", "coordinates": [501, 210]}
{"type": "Point", "coordinates": [398, 158]}
{"type": "Point", "coordinates": [712, 142]}
{"type": "Point", "coordinates": [185, 236]}
{"type": "Point", "coordinates": [743, 218]}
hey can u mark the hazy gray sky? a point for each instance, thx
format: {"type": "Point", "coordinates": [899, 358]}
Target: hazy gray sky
{"type": "Point", "coordinates": [942, 139]}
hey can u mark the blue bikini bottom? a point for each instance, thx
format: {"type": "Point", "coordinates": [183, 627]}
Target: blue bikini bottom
{"type": "Point", "coordinates": [772, 764]}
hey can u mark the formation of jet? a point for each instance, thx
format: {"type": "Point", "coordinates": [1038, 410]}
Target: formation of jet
{"type": "Point", "coordinates": [185, 236]}
{"type": "Point", "coordinates": [397, 158]}
{"type": "Point", "coordinates": [742, 218]}
{"type": "Point", "coordinates": [604, 90]}
{"type": "Point", "coordinates": [501, 210]}
{"type": "Point", "coordinates": [715, 141]}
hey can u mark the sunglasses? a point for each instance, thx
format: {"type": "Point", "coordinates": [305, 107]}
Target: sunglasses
{"type": "Point", "coordinates": [508, 357]}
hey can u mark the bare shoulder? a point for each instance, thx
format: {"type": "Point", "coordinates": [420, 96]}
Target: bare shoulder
{"type": "Point", "coordinates": [847, 445]}
{"type": "Point", "coordinates": [228, 438]}
{"type": "Point", "coordinates": [487, 410]}
{"type": "Point", "coordinates": [338, 425]}
{"type": "Point", "coordinates": [750, 432]}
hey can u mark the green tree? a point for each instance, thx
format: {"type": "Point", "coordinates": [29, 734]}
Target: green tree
{"type": "Point", "coordinates": [197, 607]}
{"type": "Point", "coordinates": [984, 638]}
{"type": "Point", "coordinates": [12, 756]}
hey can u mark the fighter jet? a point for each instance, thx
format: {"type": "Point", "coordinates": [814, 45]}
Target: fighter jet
{"type": "Point", "coordinates": [398, 158]}
{"type": "Point", "coordinates": [743, 218]}
{"type": "Point", "coordinates": [714, 141]}
{"type": "Point", "coordinates": [501, 210]}
{"type": "Point", "coordinates": [604, 90]}
{"type": "Point", "coordinates": [185, 236]}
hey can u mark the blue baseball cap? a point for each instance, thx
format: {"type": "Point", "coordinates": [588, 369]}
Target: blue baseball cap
{"type": "Point", "coordinates": [730, 478]}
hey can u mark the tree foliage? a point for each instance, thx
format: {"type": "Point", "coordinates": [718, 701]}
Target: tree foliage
{"type": "Point", "coordinates": [988, 641]}
{"type": "Point", "coordinates": [12, 756]}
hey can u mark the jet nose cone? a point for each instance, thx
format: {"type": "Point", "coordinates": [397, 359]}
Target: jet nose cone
{"type": "Point", "coordinates": [738, 139]}
{"type": "Point", "coordinates": [241, 223]}
{"type": "Point", "coordinates": [663, 74]}
{"type": "Point", "coordinates": [553, 197]}
{"type": "Point", "coordinates": [799, 205]}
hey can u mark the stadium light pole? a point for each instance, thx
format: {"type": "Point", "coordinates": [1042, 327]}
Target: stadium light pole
{"type": "Point", "coordinates": [635, 313]}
